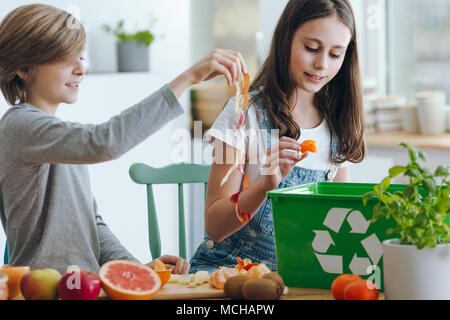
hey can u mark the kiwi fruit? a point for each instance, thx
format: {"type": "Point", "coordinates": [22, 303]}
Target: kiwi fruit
{"type": "Point", "coordinates": [260, 289]}
{"type": "Point", "coordinates": [277, 278]}
{"type": "Point", "coordinates": [233, 287]}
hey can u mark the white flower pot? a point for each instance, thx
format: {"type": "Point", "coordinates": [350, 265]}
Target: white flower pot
{"type": "Point", "coordinates": [413, 274]}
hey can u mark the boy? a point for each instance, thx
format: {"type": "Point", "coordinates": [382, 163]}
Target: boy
{"type": "Point", "coordinates": [47, 210]}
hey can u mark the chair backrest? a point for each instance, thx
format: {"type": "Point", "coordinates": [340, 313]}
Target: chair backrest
{"type": "Point", "coordinates": [5, 257]}
{"type": "Point", "coordinates": [178, 174]}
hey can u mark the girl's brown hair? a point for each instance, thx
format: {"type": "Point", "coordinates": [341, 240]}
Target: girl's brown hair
{"type": "Point", "coordinates": [32, 35]}
{"type": "Point", "coordinates": [340, 101]}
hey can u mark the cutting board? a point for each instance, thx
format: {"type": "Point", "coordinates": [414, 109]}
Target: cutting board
{"type": "Point", "coordinates": [175, 291]}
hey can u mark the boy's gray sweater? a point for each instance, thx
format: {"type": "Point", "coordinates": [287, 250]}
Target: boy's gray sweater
{"type": "Point", "coordinates": [47, 208]}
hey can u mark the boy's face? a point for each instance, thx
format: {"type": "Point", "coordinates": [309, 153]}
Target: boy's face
{"type": "Point", "coordinates": [318, 52]}
{"type": "Point", "coordinates": [56, 83]}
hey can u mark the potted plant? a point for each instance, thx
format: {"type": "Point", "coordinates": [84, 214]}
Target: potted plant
{"type": "Point", "coordinates": [132, 48]}
{"type": "Point", "coordinates": [417, 264]}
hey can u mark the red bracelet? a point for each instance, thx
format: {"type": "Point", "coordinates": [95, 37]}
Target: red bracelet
{"type": "Point", "coordinates": [242, 216]}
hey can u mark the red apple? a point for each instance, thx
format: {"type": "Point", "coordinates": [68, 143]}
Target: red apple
{"type": "Point", "coordinates": [79, 285]}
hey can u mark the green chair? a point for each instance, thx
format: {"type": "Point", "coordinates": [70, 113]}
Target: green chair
{"type": "Point", "coordinates": [5, 257]}
{"type": "Point", "coordinates": [178, 174]}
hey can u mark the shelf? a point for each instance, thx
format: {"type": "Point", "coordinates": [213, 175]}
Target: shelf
{"type": "Point", "coordinates": [393, 139]}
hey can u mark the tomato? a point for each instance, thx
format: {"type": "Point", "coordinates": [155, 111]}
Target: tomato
{"type": "Point", "coordinates": [340, 283]}
{"type": "Point", "coordinates": [361, 290]}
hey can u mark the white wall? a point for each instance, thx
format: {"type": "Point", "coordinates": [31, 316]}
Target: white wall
{"type": "Point", "coordinates": [121, 202]}
{"type": "Point", "coordinates": [270, 11]}
{"type": "Point", "coordinates": [168, 52]}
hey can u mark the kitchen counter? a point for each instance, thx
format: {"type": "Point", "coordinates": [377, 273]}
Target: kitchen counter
{"type": "Point", "coordinates": [393, 139]}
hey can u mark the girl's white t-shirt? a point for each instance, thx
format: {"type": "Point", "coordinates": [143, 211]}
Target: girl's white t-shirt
{"type": "Point", "coordinates": [225, 129]}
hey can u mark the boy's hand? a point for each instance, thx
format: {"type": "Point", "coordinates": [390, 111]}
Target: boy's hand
{"type": "Point", "coordinates": [224, 62]}
{"type": "Point", "coordinates": [176, 264]}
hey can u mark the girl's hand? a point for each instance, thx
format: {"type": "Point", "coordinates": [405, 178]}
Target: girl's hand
{"type": "Point", "coordinates": [176, 264]}
{"type": "Point", "coordinates": [280, 161]}
{"type": "Point", "coordinates": [224, 62]}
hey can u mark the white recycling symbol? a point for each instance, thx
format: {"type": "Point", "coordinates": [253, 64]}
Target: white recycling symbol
{"type": "Point", "coordinates": [359, 225]}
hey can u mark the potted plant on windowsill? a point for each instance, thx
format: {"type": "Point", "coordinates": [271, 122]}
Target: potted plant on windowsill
{"type": "Point", "coordinates": [133, 52]}
{"type": "Point", "coordinates": [417, 265]}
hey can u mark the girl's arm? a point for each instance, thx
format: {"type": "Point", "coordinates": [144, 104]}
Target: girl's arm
{"type": "Point", "coordinates": [343, 175]}
{"type": "Point", "coordinates": [220, 214]}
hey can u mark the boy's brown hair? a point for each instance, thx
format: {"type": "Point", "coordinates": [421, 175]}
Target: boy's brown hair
{"type": "Point", "coordinates": [32, 35]}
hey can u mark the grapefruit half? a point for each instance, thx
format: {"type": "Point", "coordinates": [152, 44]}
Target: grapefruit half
{"type": "Point", "coordinates": [128, 280]}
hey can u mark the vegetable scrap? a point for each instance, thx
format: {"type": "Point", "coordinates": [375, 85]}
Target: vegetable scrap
{"type": "Point", "coordinates": [242, 100]}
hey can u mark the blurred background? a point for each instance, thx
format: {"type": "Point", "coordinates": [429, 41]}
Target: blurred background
{"type": "Point", "coordinates": [405, 61]}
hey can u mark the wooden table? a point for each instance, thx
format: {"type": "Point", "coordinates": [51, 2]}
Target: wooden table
{"type": "Point", "coordinates": [312, 294]}
{"type": "Point", "coordinates": [307, 294]}
{"type": "Point", "coordinates": [293, 294]}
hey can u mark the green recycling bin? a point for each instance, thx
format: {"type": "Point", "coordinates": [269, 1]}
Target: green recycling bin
{"type": "Point", "coordinates": [323, 230]}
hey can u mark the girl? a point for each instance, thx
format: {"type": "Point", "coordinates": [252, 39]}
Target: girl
{"type": "Point", "coordinates": [47, 209]}
{"type": "Point", "coordinates": [308, 88]}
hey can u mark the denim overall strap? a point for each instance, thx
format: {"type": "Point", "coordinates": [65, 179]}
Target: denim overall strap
{"type": "Point", "coordinates": [332, 171]}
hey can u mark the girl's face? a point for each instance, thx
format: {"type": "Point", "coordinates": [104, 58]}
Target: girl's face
{"type": "Point", "coordinates": [318, 51]}
{"type": "Point", "coordinates": [56, 83]}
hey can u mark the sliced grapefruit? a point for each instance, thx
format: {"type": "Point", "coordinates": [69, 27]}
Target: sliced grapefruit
{"type": "Point", "coordinates": [15, 274]}
{"type": "Point", "coordinates": [127, 280]}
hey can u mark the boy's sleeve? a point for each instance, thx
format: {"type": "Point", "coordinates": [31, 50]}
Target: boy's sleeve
{"type": "Point", "coordinates": [110, 246]}
{"type": "Point", "coordinates": [41, 138]}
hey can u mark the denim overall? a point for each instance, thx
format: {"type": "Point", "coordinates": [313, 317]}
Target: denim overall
{"type": "Point", "coordinates": [256, 240]}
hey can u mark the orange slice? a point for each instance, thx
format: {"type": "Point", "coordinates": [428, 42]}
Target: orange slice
{"type": "Point", "coordinates": [164, 276]}
{"type": "Point", "coordinates": [309, 145]}
{"type": "Point", "coordinates": [163, 273]}
{"type": "Point", "coordinates": [159, 265]}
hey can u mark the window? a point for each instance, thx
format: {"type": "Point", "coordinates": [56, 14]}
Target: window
{"type": "Point", "coordinates": [418, 34]}
{"type": "Point", "coordinates": [232, 24]}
